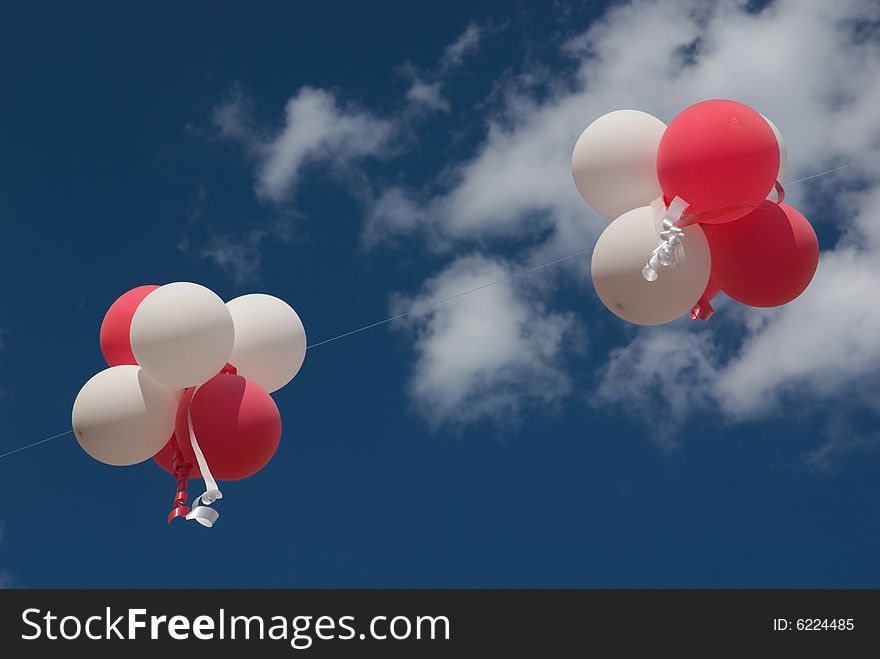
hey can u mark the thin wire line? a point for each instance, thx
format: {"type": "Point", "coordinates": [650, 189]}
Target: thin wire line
{"type": "Point", "coordinates": [445, 300]}
{"type": "Point", "coordinates": [453, 297]}
{"type": "Point", "coordinates": [830, 171]}
{"type": "Point", "coordinates": [520, 274]}
{"type": "Point", "coordinates": [42, 441]}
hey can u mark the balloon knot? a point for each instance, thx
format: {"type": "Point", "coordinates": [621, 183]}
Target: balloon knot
{"type": "Point", "coordinates": [702, 310]}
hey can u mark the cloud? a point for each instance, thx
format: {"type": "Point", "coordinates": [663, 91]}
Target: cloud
{"type": "Point", "coordinates": [428, 95]}
{"type": "Point", "coordinates": [466, 44]}
{"type": "Point", "coordinates": [426, 91]}
{"type": "Point", "coordinates": [485, 356]}
{"type": "Point", "coordinates": [843, 440]}
{"type": "Point", "coordinates": [661, 377]}
{"type": "Point", "coordinates": [238, 254]}
{"type": "Point", "coordinates": [238, 257]}
{"type": "Point", "coordinates": [317, 130]}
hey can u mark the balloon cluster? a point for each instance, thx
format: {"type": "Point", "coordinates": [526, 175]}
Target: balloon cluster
{"type": "Point", "coordinates": [188, 385]}
{"type": "Point", "coordinates": [699, 210]}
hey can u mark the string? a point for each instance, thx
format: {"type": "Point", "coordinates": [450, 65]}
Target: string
{"type": "Point", "coordinates": [829, 171]}
{"type": "Point", "coordinates": [437, 303]}
{"type": "Point", "coordinates": [444, 300]}
{"type": "Point", "coordinates": [42, 441]}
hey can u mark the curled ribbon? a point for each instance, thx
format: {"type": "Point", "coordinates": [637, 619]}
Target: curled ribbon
{"type": "Point", "coordinates": [670, 252]}
{"type": "Point", "coordinates": [201, 510]}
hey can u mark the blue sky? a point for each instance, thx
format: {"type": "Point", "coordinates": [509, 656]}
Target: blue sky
{"type": "Point", "coordinates": [362, 159]}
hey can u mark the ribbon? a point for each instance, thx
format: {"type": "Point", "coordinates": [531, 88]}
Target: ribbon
{"type": "Point", "coordinates": [780, 192]}
{"type": "Point", "coordinates": [181, 470]}
{"type": "Point", "coordinates": [201, 510]}
{"type": "Point", "coordinates": [670, 252]}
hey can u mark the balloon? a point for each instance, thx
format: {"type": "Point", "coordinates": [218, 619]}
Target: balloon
{"type": "Point", "coordinates": [767, 258]}
{"type": "Point", "coordinates": [614, 162]}
{"type": "Point", "coordinates": [182, 334]}
{"type": "Point", "coordinates": [122, 417]}
{"type": "Point", "coordinates": [783, 151]}
{"type": "Point", "coordinates": [236, 424]}
{"type": "Point", "coordinates": [713, 288]}
{"type": "Point", "coordinates": [165, 459]}
{"type": "Point", "coordinates": [719, 156]}
{"type": "Point", "coordinates": [115, 343]}
{"type": "Point", "coordinates": [270, 340]}
{"type": "Point", "coordinates": [621, 253]}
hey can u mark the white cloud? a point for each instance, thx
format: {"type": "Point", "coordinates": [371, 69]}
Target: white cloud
{"type": "Point", "coordinates": [428, 95]}
{"type": "Point", "coordinates": [466, 44]}
{"type": "Point", "coordinates": [485, 356]}
{"type": "Point", "coordinates": [317, 130]}
{"type": "Point", "coordinates": [818, 345]}
{"type": "Point", "coordinates": [238, 257]}
{"type": "Point", "coordinates": [660, 376]}
{"type": "Point", "coordinates": [426, 89]}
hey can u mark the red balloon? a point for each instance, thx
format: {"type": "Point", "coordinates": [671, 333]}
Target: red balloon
{"type": "Point", "coordinates": [236, 424]}
{"type": "Point", "coordinates": [713, 288]}
{"type": "Point", "coordinates": [765, 259]}
{"type": "Point", "coordinates": [116, 328]}
{"type": "Point", "coordinates": [165, 458]}
{"type": "Point", "coordinates": [721, 157]}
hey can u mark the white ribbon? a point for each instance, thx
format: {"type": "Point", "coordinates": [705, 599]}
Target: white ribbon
{"type": "Point", "coordinates": [667, 222]}
{"type": "Point", "coordinates": [201, 510]}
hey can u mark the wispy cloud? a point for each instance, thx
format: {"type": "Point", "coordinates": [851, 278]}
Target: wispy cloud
{"type": "Point", "coordinates": [843, 439]}
{"type": "Point", "coordinates": [239, 257]}
{"type": "Point", "coordinates": [317, 130]}
{"type": "Point", "coordinates": [656, 377]}
{"type": "Point", "coordinates": [427, 89]}
{"type": "Point", "coordinates": [487, 356]}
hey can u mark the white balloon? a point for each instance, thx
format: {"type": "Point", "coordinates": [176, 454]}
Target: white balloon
{"type": "Point", "coordinates": [182, 334]}
{"type": "Point", "coordinates": [614, 162]}
{"type": "Point", "coordinates": [621, 253]}
{"type": "Point", "coordinates": [270, 340]}
{"type": "Point", "coordinates": [783, 151]}
{"type": "Point", "coordinates": [122, 417]}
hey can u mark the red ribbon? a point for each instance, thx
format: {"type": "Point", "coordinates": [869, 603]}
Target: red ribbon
{"type": "Point", "coordinates": [181, 469]}
{"type": "Point", "coordinates": [696, 218]}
